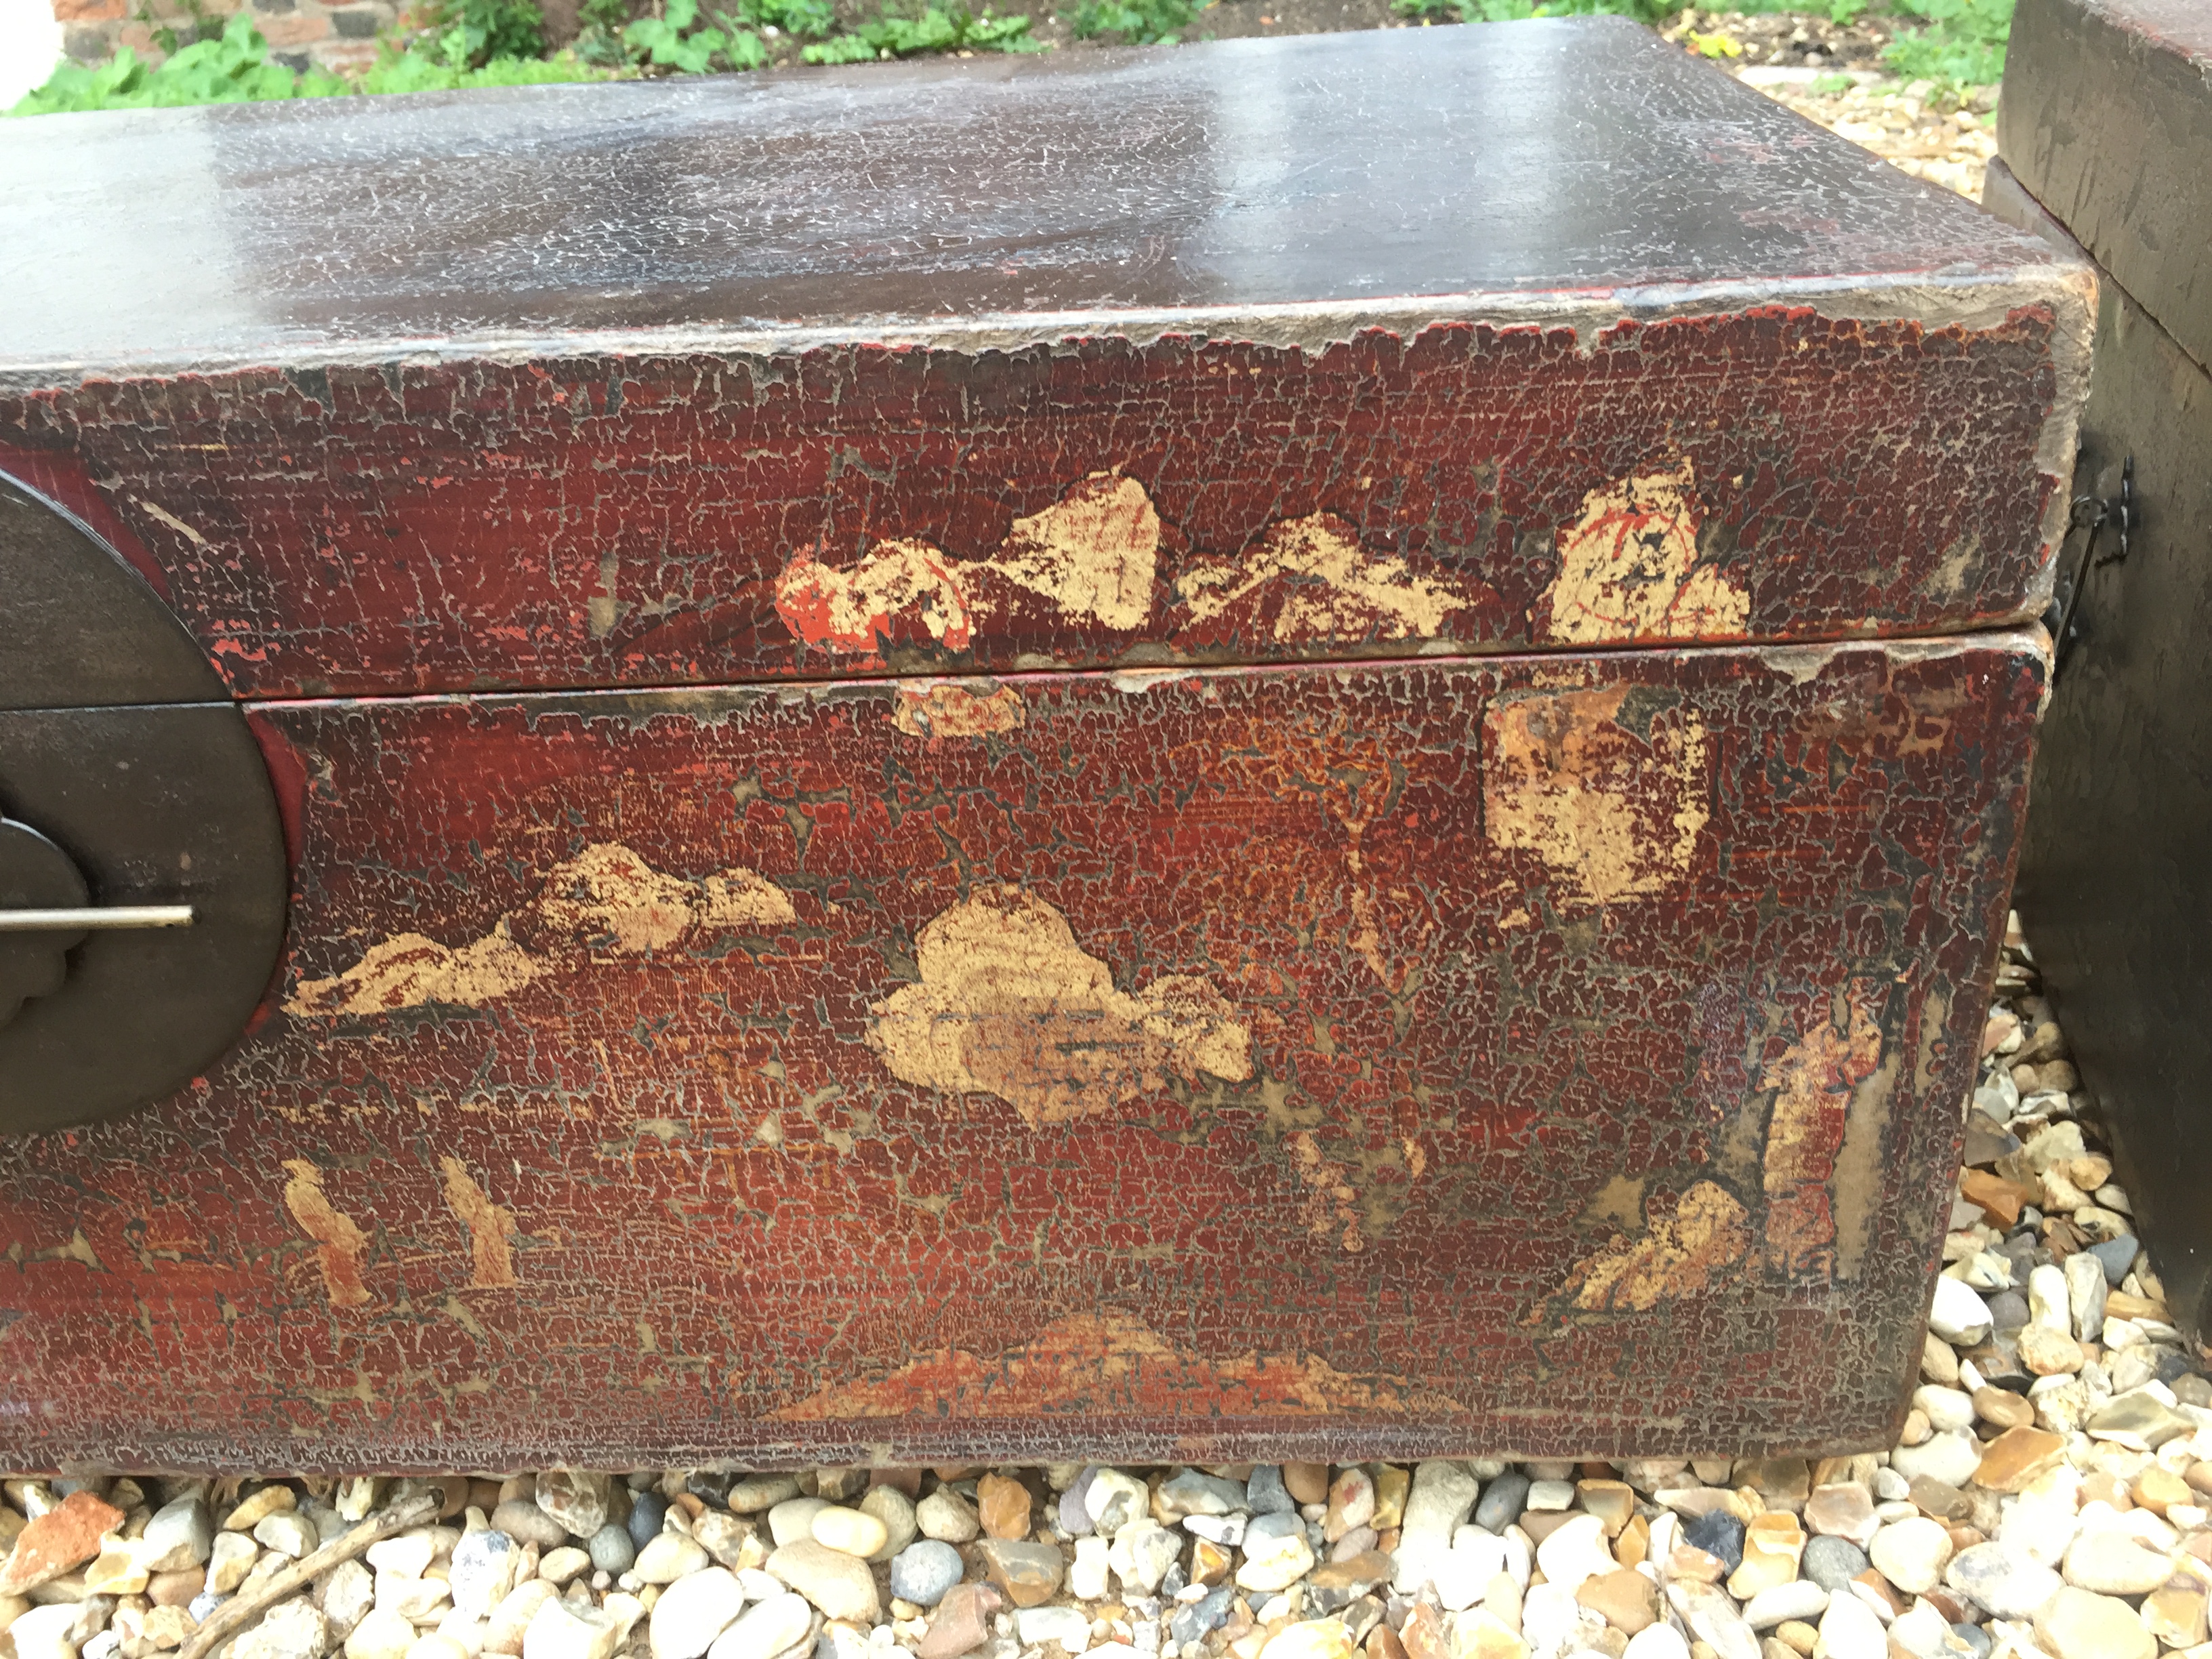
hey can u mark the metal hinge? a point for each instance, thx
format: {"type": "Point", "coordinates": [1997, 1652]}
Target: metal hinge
{"type": "Point", "coordinates": [2115, 513]}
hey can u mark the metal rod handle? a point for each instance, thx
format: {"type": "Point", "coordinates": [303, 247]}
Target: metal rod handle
{"type": "Point", "coordinates": [85, 919]}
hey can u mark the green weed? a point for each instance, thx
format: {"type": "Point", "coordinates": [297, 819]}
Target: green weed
{"type": "Point", "coordinates": [417, 71]}
{"type": "Point", "coordinates": [1962, 44]}
{"type": "Point", "coordinates": [934, 30]}
{"type": "Point", "coordinates": [1147, 22]}
{"type": "Point", "coordinates": [233, 69]}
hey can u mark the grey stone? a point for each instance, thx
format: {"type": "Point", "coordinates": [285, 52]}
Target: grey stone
{"type": "Point", "coordinates": [924, 1571]}
{"type": "Point", "coordinates": [1502, 1502]}
{"type": "Point", "coordinates": [1443, 1495]}
{"type": "Point", "coordinates": [2119, 1256]}
{"type": "Point", "coordinates": [1196, 1620]}
{"type": "Point", "coordinates": [1718, 1533]}
{"type": "Point", "coordinates": [1189, 1491]}
{"type": "Point", "coordinates": [1074, 1518]}
{"type": "Point", "coordinates": [648, 1510]}
{"type": "Point", "coordinates": [611, 1550]}
{"type": "Point", "coordinates": [1265, 1494]}
{"type": "Point", "coordinates": [2008, 1310]}
{"type": "Point", "coordinates": [1832, 1563]}
{"type": "Point", "coordinates": [1280, 1524]}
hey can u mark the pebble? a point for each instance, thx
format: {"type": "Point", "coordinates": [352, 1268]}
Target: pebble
{"type": "Point", "coordinates": [855, 1534]}
{"type": "Point", "coordinates": [948, 1517]}
{"type": "Point", "coordinates": [1912, 1554]}
{"type": "Point", "coordinates": [962, 1621]}
{"type": "Point", "coordinates": [1192, 1491]}
{"type": "Point", "coordinates": [669, 1557]}
{"type": "Point", "coordinates": [482, 1571]}
{"type": "Point", "coordinates": [1087, 1574]}
{"type": "Point", "coordinates": [759, 1492]}
{"type": "Point", "coordinates": [177, 1536]}
{"type": "Point", "coordinates": [561, 1567]}
{"type": "Point", "coordinates": [1799, 1599]}
{"type": "Point", "coordinates": [291, 1630]}
{"type": "Point", "coordinates": [1951, 1459]}
{"type": "Point", "coordinates": [1850, 1630]}
{"type": "Point", "coordinates": [1069, 1627]}
{"type": "Point", "coordinates": [1959, 1316]}
{"type": "Point", "coordinates": [2081, 1624]}
{"type": "Point", "coordinates": [1719, 1534]}
{"type": "Point", "coordinates": [509, 1622]}
{"type": "Point", "coordinates": [1265, 1492]}
{"type": "Point", "coordinates": [289, 1534]}
{"type": "Point", "coordinates": [765, 1629]}
{"type": "Point", "coordinates": [2007, 1580]}
{"type": "Point", "coordinates": [576, 1500]}
{"type": "Point", "coordinates": [570, 1630]}
{"type": "Point", "coordinates": [648, 1510]}
{"type": "Point", "coordinates": [230, 1557]}
{"type": "Point", "coordinates": [380, 1634]}
{"type": "Point", "coordinates": [1202, 1617]}
{"type": "Point", "coordinates": [345, 1593]}
{"type": "Point", "coordinates": [924, 1571]}
{"type": "Point", "coordinates": [1312, 1639]}
{"type": "Point", "coordinates": [1275, 1559]}
{"type": "Point", "coordinates": [1842, 1509]}
{"type": "Point", "coordinates": [1005, 1505]}
{"type": "Point", "coordinates": [1660, 1642]}
{"type": "Point", "coordinates": [1114, 1500]}
{"type": "Point", "coordinates": [2110, 1563]}
{"type": "Point", "coordinates": [1502, 1502]}
{"type": "Point", "coordinates": [1575, 1552]}
{"type": "Point", "coordinates": [1026, 1573]}
{"type": "Point", "coordinates": [1627, 1600]}
{"type": "Point", "coordinates": [692, 1611]}
{"type": "Point", "coordinates": [1143, 1551]}
{"type": "Point", "coordinates": [610, 1550]}
{"type": "Point", "coordinates": [520, 1519]}
{"type": "Point", "coordinates": [1832, 1562]}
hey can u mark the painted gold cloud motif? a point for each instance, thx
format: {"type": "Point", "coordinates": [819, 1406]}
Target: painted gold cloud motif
{"type": "Point", "coordinates": [1114, 1363]}
{"type": "Point", "coordinates": [607, 899]}
{"type": "Point", "coordinates": [1607, 786]}
{"type": "Point", "coordinates": [1629, 569]}
{"type": "Point", "coordinates": [1010, 1005]}
{"type": "Point", "coordinates": [1683, 1251]}
{"type": "Point", "coordinates": [1094, 557]}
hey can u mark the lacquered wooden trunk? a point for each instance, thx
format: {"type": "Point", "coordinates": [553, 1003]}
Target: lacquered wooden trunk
{"type": "Point", "coordinates": [1265, 765]}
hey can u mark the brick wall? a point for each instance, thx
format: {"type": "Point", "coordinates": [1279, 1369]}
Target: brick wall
{"type": "Point", "coordinates": [341, 36]}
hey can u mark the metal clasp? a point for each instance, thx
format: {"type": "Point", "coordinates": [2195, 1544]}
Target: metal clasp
{"type": "Point", "coordinates": [2115, 513]}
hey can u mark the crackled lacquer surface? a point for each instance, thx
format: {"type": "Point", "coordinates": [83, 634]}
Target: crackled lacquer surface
{"type": "Point", "coordinates": [656, 520]}
{"type": "Point", "coordinates": [1549, 1054]}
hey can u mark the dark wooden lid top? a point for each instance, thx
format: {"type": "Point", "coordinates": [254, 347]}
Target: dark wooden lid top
{"type": "Point", "coordinates": [2106, 120]}
{"type": "Point", "coordinates": [1561, 161]}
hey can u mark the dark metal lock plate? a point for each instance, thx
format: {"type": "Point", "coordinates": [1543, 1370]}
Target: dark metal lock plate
{"type": "Point", "coordinates": [128, 783]}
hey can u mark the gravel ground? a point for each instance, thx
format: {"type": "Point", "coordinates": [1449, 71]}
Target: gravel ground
{"type": "Point", "coordinates": [2048, 1499]}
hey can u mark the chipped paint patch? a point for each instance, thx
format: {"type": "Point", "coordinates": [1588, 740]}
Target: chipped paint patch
{"type": "Point", "coordinates": [1322, 585]}
{"type": "Point", "coordinates": [489, 1225]}
{"type": "Point", "coordinates": [1679, 1255]}
{"type": "Point", "coordinates": [1010, 1005]}
{"type": "Point", "coordinates": [951, 709]}
{"type": "Point", "coordinates": [607, 899]}
{"type": "Point", "coordinates": [1609, 793]}
{"type": "Point", "coordinates": [1813, 1080]}
{"type": "Point", "coordinates": [1094, 553]}
{"type": "Point", "coordinates": [338, 1241]}
{"type": "Point", "coordinates": [1629, 568]}
{"type": "Point", "coordinates": [1330, 1195]}
{"type": "Point", "coordinates": [855, 609]}
{"type": "Point", "coordinates": [1113, 1364]}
